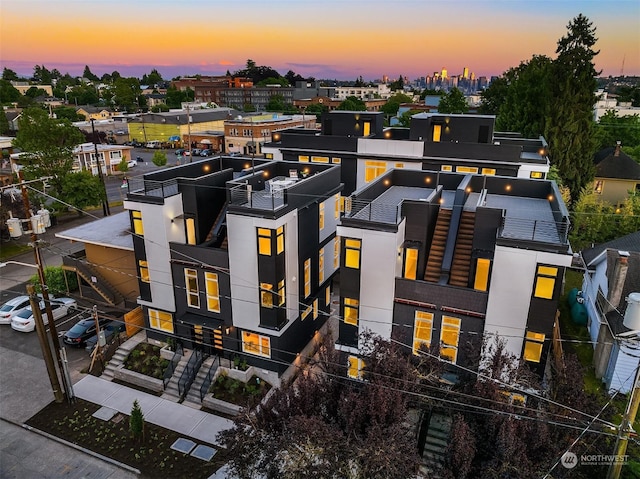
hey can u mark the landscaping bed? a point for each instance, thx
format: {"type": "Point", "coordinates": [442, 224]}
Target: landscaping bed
{"type": "Point", "coordinates": [152, 455]}
{"type": "Point", "coordinates": [145, 359]}
{"type": "Point", "coordinates": [228, 389]}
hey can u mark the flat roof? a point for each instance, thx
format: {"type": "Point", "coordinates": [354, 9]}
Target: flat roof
{"type": "Point", "coordinates": [526, 218]}
{"type": "Point", "coordinates": [111, 231]}
{"type": "Point", "coordinates": [384, 209]}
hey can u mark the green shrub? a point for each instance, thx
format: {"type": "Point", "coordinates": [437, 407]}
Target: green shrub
{"type": "Point", "coordinates": [57, 280]}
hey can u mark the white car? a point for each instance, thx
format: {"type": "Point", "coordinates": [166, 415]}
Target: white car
{"type": "Point", "coordinates": [132, 163]}
{"type": "Point", "coordinates": [12, 307]}
{"type": "Point", "coordinates": [25, 322]}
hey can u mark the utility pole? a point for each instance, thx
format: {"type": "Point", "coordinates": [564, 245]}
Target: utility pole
{"type": "Point", "coordinates": [105, 200]}
{"type": "Point", "coordinates": [626, 426]}
{"type": "Point", "coordinates": [43, 283]}
{"type": "Point", "coordinates": [189, 135]}
{"type": "Point", "coordinates": [44, 344]}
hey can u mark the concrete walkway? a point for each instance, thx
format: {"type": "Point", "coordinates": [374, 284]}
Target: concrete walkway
{"type": "Point", "coordinates": [195, 424]}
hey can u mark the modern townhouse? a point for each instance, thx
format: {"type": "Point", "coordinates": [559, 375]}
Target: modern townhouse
{"type": "Point", "coordinates": [235, 255]}
{"type": "Point", "coordinates": [444, 259]}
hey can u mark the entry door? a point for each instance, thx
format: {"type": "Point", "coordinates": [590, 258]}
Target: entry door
{"type": "Point", "coordinates": [198, 339]}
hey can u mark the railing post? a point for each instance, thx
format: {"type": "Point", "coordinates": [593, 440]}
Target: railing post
{"type": "Point", "coordinates": [533, 235]}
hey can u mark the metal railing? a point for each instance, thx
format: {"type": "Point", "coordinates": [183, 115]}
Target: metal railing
{"type": "Point", "coordinates": [168, 373]}
{"type": "Point", "coordinates": [189, 373]}
{"type": "Point", "coordinates": [243, 195]}
{"type": "Point", "coordinates": [204, 388]}
{"type": "Point", "coordinates": [376, 211]}
{"type": "Point", "coordinates": [534, 230]}
{"type": "Point", "coordinates": [161, 189]}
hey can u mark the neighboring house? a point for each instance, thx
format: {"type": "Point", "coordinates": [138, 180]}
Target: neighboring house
{"type": "Point", "coordinates": [107, 264]}
{"type": "Point", "coordinates": [13, 115]}
{"type": "Point", "coordinates": [371, 104]}
{"type": "Point", "coordinates": [365, 149]}
{"type": "Point", "coordinates": [235, 258]}
{"type": "Point", "coordinates": [247, 134]}
{"type": "Point", "coordinates": [23, 87]}
{"type": "Point", "coordinates": [381, 91]}
{"type": "Point", "coordinates": [431, 258]}
{"type": "Point", "coordinates": [606, 103]}
{"type": "Point", "coordinates": [94, 112]}
{"type": "Point", "coordinates": [110, 156]}
{"type": "Point", "coordinates": [617, 175]}
{"type": "Point", "coordinates": [154, 99]}
{"type": "Point", "coordinates": [612, 274]}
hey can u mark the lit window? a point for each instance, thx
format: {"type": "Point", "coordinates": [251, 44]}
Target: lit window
{"type": "Point", "coordinates": [137, 222]}
{"type": "Point", "coordinates": [327, 296]}
{"type": "Point", "coordinates": [337, 161]}
{"type": "Point", "coordinates": [437, 132]}
{"type": "Point", "coordinates": [449, 336]}
{"type": "Point", "coordinates": [320, 159]}
{"type": "Point", "coordinates": [410, 263]}
{"type": "Point", "coordinates": [446, 168]}
{"type": "Point", "coordinates": [355, 367]}
{"type": "Point", "coordinates": [306, 312]}
{"type": "Point", "coordinates": [545, 282]}
{"type": "Point", "coordinates": [280, 240]}
{"type": "Point", "coordinates": [315, 308]}
{"type": "Point", "coordinates": [321, 216]}
{"type": "Point", "coordinates": [366, 131]}
{"type": "Point", "coordinates": [191, 282]}
{"type": "Point", "coordinates": [307, 277]}
{"type": "Point", "coordinates": [373, 169]}
{"type": "Point", "coordinates": [352, 253]}
{"type": "Point", "coordinates": [191, 230]}
{"type": "Point", "coordinates": [303, 159]}
{"type": "Point", "coordinates": [213, 292]}
{"type": "Point", "coordinates": [264, 241]}
{"type": "Point", "coordinates": [351, 311]}
{"type": "Point", "coordinates": [336, 209]}
{"type": "Point", "coordinates": [482, 274]}
{"type": "Point", "coordinates": [143, 266]}
{"type": "Point", "coordinates": [336, 252]}
{"type": "Point", "coordinates": [422, 327]}
{"type": "Point", "coordinates": [320, 266]}
{"type": "Point", "coordinates": [266, 295]}
{"type": "Point", "coordinates": [161, 320]}
{"type": "Point", "coordinates": [399, 165]}
{"type": "Point", "coordinates": [268, 156]}
{"type": "Point", "coordinates": [598, 187]}
{"type": "Point", "coordinates": [488, 171]}
{"type": "Point", "coordinates": [466, 169]}
{"type": "Point", "coordinates": [533, 346]}
{"type": "Point", "coordinates": [281, 293]}
{"type": "Point", "coordinates": [536, 174]}
{"type": "Point", "coordinates": [256, 344]}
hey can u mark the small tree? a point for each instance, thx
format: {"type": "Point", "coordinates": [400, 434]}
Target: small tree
{"type": "Point", "coordinates": [123, 165]}
{"type": "Point", "coordinates": [136, 421]}
{"type": "Point", "coordinates": [453, 102]}
{"type": "Point", "coordinates": [57, 281]}
{"type": "Point", "coordinates": [159, 158]}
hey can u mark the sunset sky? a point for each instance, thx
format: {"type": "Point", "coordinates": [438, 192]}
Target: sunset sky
{"type": "Point", "coordinates": [340, 39]}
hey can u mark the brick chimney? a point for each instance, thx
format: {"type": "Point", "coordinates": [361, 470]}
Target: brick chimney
{"type": "Point", "coordinates": [617, 151]}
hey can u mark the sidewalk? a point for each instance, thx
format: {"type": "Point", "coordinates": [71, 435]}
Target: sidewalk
{"type": "Point", "coordinates": [195, 424]}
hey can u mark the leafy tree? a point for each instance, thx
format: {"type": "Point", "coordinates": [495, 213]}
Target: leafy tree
{"type": "Point", "coordinates": [612, 128]}
{"type": "Point", "coordinates": [35, 92]}
{"type": "Point", "coordinates": [276, 103]}
{"type": "Point", "coordinates": [152, 79]}
{"type": "Point", "coordinates": [26, 102]}
{"type": "Point", "coordinates": [430, 92]}
{"type": "Point", "coordinates": [67, 112]}
{"type": "Point", "coordinates": [453, 102]}
{"type": "Point", "coordinates": [136, 421]}
{"type": "Point", "coordinates": [8, 93]}
{"type": "Point", "coordinates": [571, 125]}
{"type": "Point", "coordinates": [405, 118]}
{"type": "Point", "coordinates": [525, 107]}
{"type": "Point", "coordinates": [352, 103]}
{"type": "Point", "coordinates": [628, 93]}
{"type": "Point", "coordinates": [88, 74]}
{"type": "Point", "coordinates": [398, 84]}
{"type": "Point", "coordinates": [56, 279]}
{"type": "Point", "coordinates": [41, 75]}
{"type": "Point", "coordinates": [159, 158]}
{"type": "Point", "coordinates": [494, 96]}
{"type": "Point", "coordinates": [9, 75]}
{"type": "Point", "coordinates": [4, 122]}
{"type": "Point", "coordinates": [257, 73]}
{"type": "Point", "coordinates": [48, 146]}
{"type": "Point", "coordinates": [293, 77]}
{"type": "Point", "coordinates": [83, 95]}
{"type": "Point", "coordinates": [274, 81]}
{"type": "Point", "coordinates": [159, 107]}
{"type": "Point", "coordinates": [82, 189]}
{"type": "Point", "coordinates": [317, 109]}
{"type": "Point", "coordinates": [127, 91]}
{"type": "Point", "coordinates": [357, 430]}
{"type": "Point", "coordinates": [393, 103]}
{"type": "Point", "coordinates": [248, 107]}
{"type": "Point", "coordinates": [175, 97]}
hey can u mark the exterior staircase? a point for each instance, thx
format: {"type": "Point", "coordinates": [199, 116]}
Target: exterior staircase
{"type": "Point", "coordinates": [171, 389]}
{"type": "Point", "coordinates": [462, 256]}
{"type": "Point", "coordinates": [434, 452]}
{"type": "Point", "coordinates": [436, 252]}
{"type": "Point", "coordinates": [121, 354]}
{"type": "Point", "coordinates": [93, 279]}
{"type": "Point", "coordinates": [192, 398]}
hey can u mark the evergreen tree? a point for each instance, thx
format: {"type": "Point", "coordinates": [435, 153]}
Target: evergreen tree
{"type": "Point", "coordinates": [4, 122]}
{"type": "Point", "coordinates": [453, 102]}
{"type": "Point", "coordinates": [571, 127]}
{"type": "Point", "coordinates": [136, 421]}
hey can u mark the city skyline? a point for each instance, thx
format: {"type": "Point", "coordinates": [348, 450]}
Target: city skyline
{"type": "Point", "coordinates": [342, 40]}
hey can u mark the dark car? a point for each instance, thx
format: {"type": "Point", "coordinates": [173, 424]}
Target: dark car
{"type": "Point", "coordinates": [205, 152]}
{"type": "Point", "coordinates": [110, 329]}
{"type": "Point", "coordinates": [82, 330]}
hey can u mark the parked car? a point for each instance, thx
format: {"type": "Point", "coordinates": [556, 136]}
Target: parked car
{"type": "Point", "coordinates": [196, 152]}
{"type": "Point", "coordinates": [132, 163]}
{"type": "Point", "coordinates": [25, 322]}
{"type": "Point", "coordinates": [82, 330]}
{"type": "Point", "coordinates": [205, 152]}
{"type": "Point", "coordinates": [12, 307]}
{"type": "Point", "coordinates": [110, 330]}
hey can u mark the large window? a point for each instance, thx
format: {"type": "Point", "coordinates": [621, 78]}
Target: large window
{"type": "Point", "coordinates": [437, 132]}
{"type": "Point", "coordinates": [422, 327]}
{"type": "Point", "coordinates": [481, 281]}
{"type": "Point", "coordinates": [373, 169]}
{"type": "Point", "coordinates": [320, 266]}
{"type": "Point", "coordinates": [466, 169]}
{"type": "Point", "coordinates": [213, 292]}
{"type": "Point", "coordinates": [321, 216]}
{"type": "Point", "coordinates": [191, 283]}
{"type": "Point", "coordinates": [351, 311]}
{"type": "Point", "coordinates": [533, 346]}
{"type": "Point", "coordinates": [281, 293]}
{"type": "Point", "coordinates": [410, 263]}
{"type": "Point", "coordinates": [161, 320]}
{"type": "Point", "coordinates": [307, 277]}
{"type": "Point", "coordinates": [336, 252]}
{"type": "Point", "coordinates": [190, 225]}
{"type": "Point", "coordinates": [545, 282]}
{"type": "Point", "coordinates": [280, 240]}
{"type": "Point", "coordinates": [488, 171]}
{"type": "Point", "coordinates": [355, 367]}
{"type": "Point", "coordinates": [336, 208]}
{"type": "Point", "coordinates": [352, 253]}
{"type": "Point", "coordinates": [256, 344]}
{"type": "Point", "coordinates": [536, 174]}
{"type": "Point", "coordinates": [137, 222]}
{"type": "Point", "coordinates": [143, 268]}
{"type": "Point", "coordinates": [266, 295]}
{"type": "Point", "coordinates": [264, 241]}
{"type": "Point", "coordinates": [449, 337]}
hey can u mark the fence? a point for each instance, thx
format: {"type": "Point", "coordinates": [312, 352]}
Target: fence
{"type": "Point", "coordinates": [204, 388]}
{"type": "Point", "coordinates": [189, 373]}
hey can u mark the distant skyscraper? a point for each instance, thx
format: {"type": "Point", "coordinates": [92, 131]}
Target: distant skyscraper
{"type": "Point", "coordinates": [465, 73]}
{"type": "Point", "coordinates": [385, 78]}
{"type": "Point", "coordinates": [444, 73]}
{"type": "Point", "coordinates": [473, 76]}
